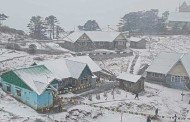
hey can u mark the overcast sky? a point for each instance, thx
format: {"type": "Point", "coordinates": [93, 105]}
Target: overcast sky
{"type": "Point", "coordinates": [71, 13]}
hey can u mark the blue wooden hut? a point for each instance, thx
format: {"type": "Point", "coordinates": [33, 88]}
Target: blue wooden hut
{"type": "Point", "coordinates": [33, 86]}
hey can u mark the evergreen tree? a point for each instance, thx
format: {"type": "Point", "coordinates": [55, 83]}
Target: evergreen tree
{"type": "Point", "coordinates": [90, 25]}
{"type": "Point", "coordinates": [145, 22]}
{"type": "Point", "coordinates": [52, 24]}
{"type": "Point", "coordinates": [37, 28]}
{"type": "Point", "coordinates": [59, 30]}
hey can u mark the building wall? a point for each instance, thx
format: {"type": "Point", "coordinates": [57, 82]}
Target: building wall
{"type": "Point", "coordinates": [120, 44]}
{"type": "Point", "coordinates": [85, 75]}
{"type": "Point", "coordinates": [104, 45]}
{"type": "Point", "coordinates": [44, 100]}
{"type": "Point", "coordinates": [84, 43]}
{"type": "Point", "coordinates": [178, 70]}
{"type": "Point", "coordinates": [167, 80]}
{"type": "Point", "coordinates": [184, 8]}
{"type": "Point", "coordinates": [132, 87]}
{"type": "Point", "coordinates": [178, 25]}
{"type": "Point", "coordinates": [68, 45]}
{"type": "Point", "coordinates": [176, 85]}
{"type": "Point", "coordinates": [139, 45]}
{"type": "Point", "coordinates": [151, 78]}
{"type": "Point", "coordinates": [27, 96]}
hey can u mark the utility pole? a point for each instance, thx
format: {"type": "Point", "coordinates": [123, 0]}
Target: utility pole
{"type": "Point", "coordinates": [121, 116]}
{"type": "Point", "coordinates": [48, 104]}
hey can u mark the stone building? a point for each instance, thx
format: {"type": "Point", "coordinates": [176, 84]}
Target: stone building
{"type": "Point", "coordinates": [138, 43]}
{"type": "Point", "coordinates": [130, 82]}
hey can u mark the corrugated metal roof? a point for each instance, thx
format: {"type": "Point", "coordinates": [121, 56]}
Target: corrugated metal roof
{"type": "Point", "coordinates": [36, 77]}
{"type": "Point", "coordinates": [179, 17]}
{"type": "Point", "coordinates": [129, 77]}
{"type": "Point", "coordinates": [166, 61]}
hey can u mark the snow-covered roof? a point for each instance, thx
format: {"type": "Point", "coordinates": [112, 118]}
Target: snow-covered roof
{"type": "Point", "coordinates": [186, 63]}
{"type": "Point", "coordinates": [179, 17]}
{"type": "Point", "coordinates": [129, 77]}
{"type": "Point", "coordinates": [185, 1]}
{"type": "Point", "coordinates": [36, 77]}
{"type": "Point", "coordinates": [107, 36]}
{"type": "Point", "coordinates": [87, 60]}
{"type": "Point", "coordinates": [63, 68]}
{"type": "Point", "coordinates": [102, 35]}
{"type": "Point", "coordinates": [73, 37]}
{"type": "Point", "coordinates": [135, 39]}
{"type": "Point", "coordinates": [166, 61]}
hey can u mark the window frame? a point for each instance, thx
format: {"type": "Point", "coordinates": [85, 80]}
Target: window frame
{"type": "Point", "coordinates": [18, 91]}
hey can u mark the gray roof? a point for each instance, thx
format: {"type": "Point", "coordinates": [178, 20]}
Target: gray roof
{"type": "Point", "coordinates": [166, 61]}
{"type": "Point", "coordinates": [179, 17]}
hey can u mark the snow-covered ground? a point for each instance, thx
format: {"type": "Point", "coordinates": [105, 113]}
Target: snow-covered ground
{"type": "Point", "coordinates": [13, 59]}
{"type": "Point", "coordinates": [167, 100]}
{"type": "Point", "coordinates": [154, 45]}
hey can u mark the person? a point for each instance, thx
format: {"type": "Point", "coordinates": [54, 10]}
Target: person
{"type": "Point", "coordinates": [137, 96]}
{"type": "Point", "coordinates": [148, 119]}
{"type": "Point", "coordinates": [175, 118]}
{"type": "Point", "coordinates": [156, 112]}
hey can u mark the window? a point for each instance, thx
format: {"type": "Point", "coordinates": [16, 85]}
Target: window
{"type": "Point", "coordinates": [177, 78]}
{"type": "Point", "coordinates": [84, 80]}
{"type": "Point", "coordinates": [8, 87]}
{"type": "Point", "coordinates": [121, 43]}
{"type": "Point", "coordinates": [18, 91]}
{"type": "Point", "coordinates": [157, 75]}
{"type": "Point", "coordinates": [81, 81]}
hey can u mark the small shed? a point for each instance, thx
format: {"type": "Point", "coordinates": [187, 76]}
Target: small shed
{"type": "Point", "coordinates": [130, 82]}
{"type": "Point", "coordinates": [137, 43]}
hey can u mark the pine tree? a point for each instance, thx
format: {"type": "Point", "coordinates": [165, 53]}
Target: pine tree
{"type": "Point", "coordinates": [37, 28]}
{"type": "Point", "coordinates": [52, 24]}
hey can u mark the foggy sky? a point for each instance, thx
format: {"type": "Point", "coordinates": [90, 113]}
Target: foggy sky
{"type": "Point", "coordinates": [72, 13]}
